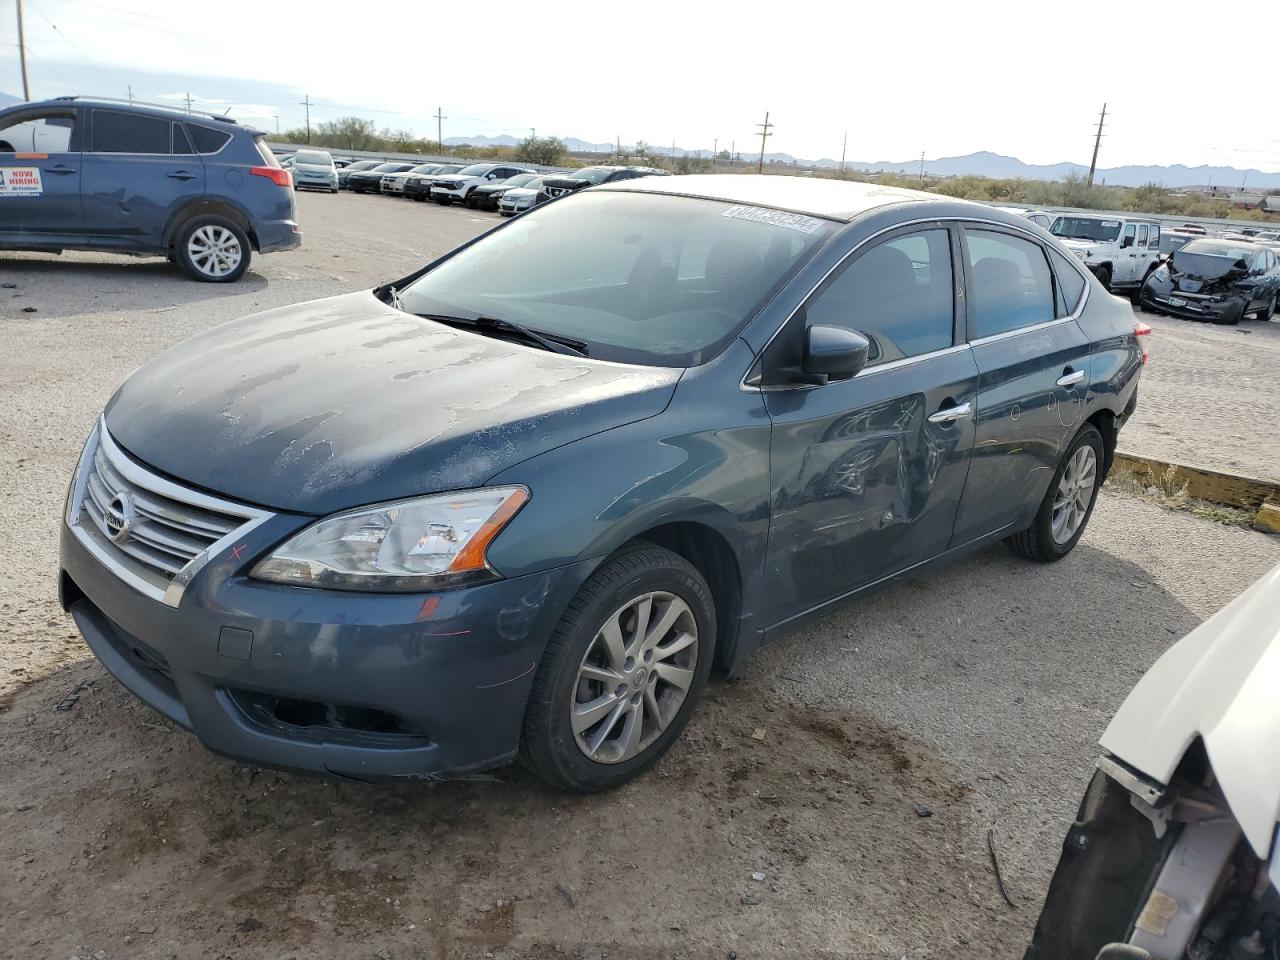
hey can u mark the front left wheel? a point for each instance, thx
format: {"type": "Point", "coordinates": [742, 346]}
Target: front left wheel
{"type": "Point", "coordinates": [622, 672]}
{"type": "Point", "coordinates": [212, 249]}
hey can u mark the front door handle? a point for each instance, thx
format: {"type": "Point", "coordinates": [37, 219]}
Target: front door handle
{"type": "Point", "coordinates": [952, 414]}
{"type": "Point", "coordinates": [1070, 378]}
{"type": "Point", "coordinates": [180, 175]}
{"type": "Point", "coordinates": [61, 169]}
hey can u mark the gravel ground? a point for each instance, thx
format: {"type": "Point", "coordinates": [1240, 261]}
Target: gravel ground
{"type": "Point", "coordinates": [1210, 396]}
{"type": "Point", "coordinates": [979, 692]}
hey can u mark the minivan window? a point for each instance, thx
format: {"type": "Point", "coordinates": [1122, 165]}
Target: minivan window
{"type": "Point", "coordinates": [605, 269]}
{"type": "Point", "coordinates": [207, 140]}
{"type": "Point", "coordinates": [899, 294]}
{"type": "Point", "coordinates": [1010, 284]}
{"type": "Point", "coordinates": [117, 132]}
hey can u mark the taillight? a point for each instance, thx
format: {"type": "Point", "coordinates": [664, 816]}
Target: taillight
{"type": "Point", "coordinates": [277, 175]}
{"type": "Point", "coordinates": [1140, 329]}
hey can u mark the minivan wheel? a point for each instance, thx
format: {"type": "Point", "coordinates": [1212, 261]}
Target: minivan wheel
{"type": "Point", "coordinates": [213, 249]}
{"type": "Point", "coordinates": [1065, 511]}
{"type": "Point", "coordinates": [622, 672]}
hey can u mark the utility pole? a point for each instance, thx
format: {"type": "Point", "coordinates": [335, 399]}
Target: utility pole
{"type": "Point", "coordinates": [922, 166]}
{"type": "Point", "coordinates": [277, 116]}
{"type": "Point", "coordinates": [764, 135]}
{"type": "Point", "coordinates": [440, 119]}
{"type": "Point", "coordinates": [715, 142]}
{"type": "Point", "coordinates": [673, 150]}
{"type": "Point", "coordinates": [843, 147]}
{"type": "Point", "coordinates": [188, 99]}
{"type": "Point", "coordinates": [306, 102]}
{"type": "Point", "coordinates": [1097, 142]}
{"type": "Point", "coordinates": [618, 151]}
{"type": "Point", "coordinates": [22, 55]}
{"type": "Point", "coordinates": [131, 93]}
{"type": "Point", "coordinates": [733, 157]}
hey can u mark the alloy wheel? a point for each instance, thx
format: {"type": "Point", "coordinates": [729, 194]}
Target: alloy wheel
{"type": "Point", "coordinates": [214, 250]}
{"type": "Point", "coordinates": [634, 677]}
{"type": "Point", "coordinates": [1075, 493]}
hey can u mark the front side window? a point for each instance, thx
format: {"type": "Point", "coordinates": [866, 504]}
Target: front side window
{"type": "Point", "coordinates": [664, 281]}
{"type": "Point", "coordinates": [117, 132]}
{"type": "Point", "coordinates": [1009, 283]}
{"type": "Point", "coordinates": [899, 294]}
{"type": "Point", "coordinates": [1126, 239]}
{"type": "Point", "coordinates": [38, 134]}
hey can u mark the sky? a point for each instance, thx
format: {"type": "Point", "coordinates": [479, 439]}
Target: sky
{"type": "Point", "coordinates": [1026, 79]}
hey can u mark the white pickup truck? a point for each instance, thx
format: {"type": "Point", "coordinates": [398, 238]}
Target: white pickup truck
{"type": "Point", "coordinates": [1120, 251]}
{"type": "Point", "coordinates": [46, 135]}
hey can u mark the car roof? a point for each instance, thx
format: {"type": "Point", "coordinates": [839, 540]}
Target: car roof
{"type": "Point", "coordinates": [135, 106]}
{"type": "Point", "coordinates": [843, 200]}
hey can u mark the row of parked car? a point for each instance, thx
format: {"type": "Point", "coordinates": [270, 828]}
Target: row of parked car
{"type": "Point", "coordinates": [505, 187]}
{"type": "Point", "coordinates": [1183, 271]}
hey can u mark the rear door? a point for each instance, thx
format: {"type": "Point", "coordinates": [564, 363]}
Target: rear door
{"type": "Point", "coordinates": [865, 474]}
{"type": "Point", "coordinates": [139, 170]}
{"type": "Point", "coordinates": [1033, 363]}
{"type": "Point", "coordinates": [40, 175]}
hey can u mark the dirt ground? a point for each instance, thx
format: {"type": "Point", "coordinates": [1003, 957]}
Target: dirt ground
{"type": "Point", "coordinates": [977, 693]}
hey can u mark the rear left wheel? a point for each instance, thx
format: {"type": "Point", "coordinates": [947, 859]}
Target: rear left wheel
{"type": "Point", "coordinates": [1065, 511]}
{"type": "Point", "coordinates": [622, 672]}
{"type": "Point", "coordinates": [212, 249]}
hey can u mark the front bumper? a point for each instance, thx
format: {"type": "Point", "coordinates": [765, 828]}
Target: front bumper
{"type": "Point", "coordinates": [1190, 307]}
{"type": "Point", "coordinates": [364, 186]}
{"type": "Point", "coordinates": [366, 686]}
{"type": "Point", "coordinates": [315, 183]}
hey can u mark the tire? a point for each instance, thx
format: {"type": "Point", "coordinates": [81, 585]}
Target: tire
{"type": "Point", "coordinates": [1039, 541]}
{"type": "Point", "coordinates": [1104, 277]}
{"type": "Point", "coordinates": [418, 198]}
{"type": "Point", "coordinates": [443, 201]}
{"type": "Point", "coordinates": [1267, 313]}
{"type": "Point", "coordinates": [549, 745]}
{"type": "Point", "coordinates": [333, 190]}
{"type": "Point", "coordinates": [209, 243]}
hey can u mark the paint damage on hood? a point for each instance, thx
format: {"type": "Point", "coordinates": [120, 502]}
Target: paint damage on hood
{"type": "Point", "coordinates": [336, 403]}
{"type": "Point", "coordinates": [1220, 683]}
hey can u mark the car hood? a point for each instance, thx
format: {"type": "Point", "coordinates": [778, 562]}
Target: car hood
{"type": "Point", "coordinates": [1073, 244]}
{"type": "Point", "coordinates": [340, 402]}
{"type": "Point", "coordinates": [1203, 266]}
{"type": "Point", "coordinates": [1218, 684]}
{"type": "Point", "coordinates": [515, 193]}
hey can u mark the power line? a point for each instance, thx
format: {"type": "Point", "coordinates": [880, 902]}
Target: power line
{"type": "Point", "coordinates": [110, 82]}
{"type": "Point", "coordinates": [765, 133]}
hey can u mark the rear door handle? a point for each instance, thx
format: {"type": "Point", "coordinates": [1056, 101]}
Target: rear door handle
{"type": "Point", "coordinates": [1070, 378]}
{"type": "Point", "coordinates": [952, 414]}
{"type": "Point", "coordinates": [180, 175]}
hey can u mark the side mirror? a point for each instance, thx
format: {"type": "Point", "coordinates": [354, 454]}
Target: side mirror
{"type": "Point", "coordinates": [833, 353]}
{"type": "Point", "coordinates": [1126, 242]}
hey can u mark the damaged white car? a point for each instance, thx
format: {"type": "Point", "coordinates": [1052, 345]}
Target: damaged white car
{"type": "Point", "coordinates": [1174, 851]}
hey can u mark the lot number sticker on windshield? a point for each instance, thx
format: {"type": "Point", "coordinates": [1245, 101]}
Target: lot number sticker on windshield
{"type": "Point", "coordinates": [791, 221]}
{"type": "Point", "coordinates": [20, 182]}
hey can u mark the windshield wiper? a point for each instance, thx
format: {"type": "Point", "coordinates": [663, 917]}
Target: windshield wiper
{"type": "Point", "coordinates": [547, 341]}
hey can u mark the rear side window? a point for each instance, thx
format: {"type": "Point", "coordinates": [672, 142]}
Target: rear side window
{"type": "Point", "coordinates": [117, 132]}
{"type": "Point", "coordinates": [208, 140]}
{"type": "Point", "coordinates": [1010, 284]}
{"type": "Point", "coordinates": [899, 294]}
{"type": "Point", "coordinates": [1070, 284]}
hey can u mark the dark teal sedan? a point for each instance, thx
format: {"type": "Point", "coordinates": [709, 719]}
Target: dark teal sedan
{"type": "Point", "coordinates": [522, 502]}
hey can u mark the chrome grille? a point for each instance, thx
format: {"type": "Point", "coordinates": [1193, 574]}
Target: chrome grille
{"type": "Point", "coordinates": [153, 533]}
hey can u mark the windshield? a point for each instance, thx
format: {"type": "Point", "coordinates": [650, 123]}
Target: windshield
{"type": "Point", "coordinates": [450, 168]}
{"type": "Point", "coordinates": [1086, 228]}
{"type": "Point", "coordinates": [590, 174]}
{"type": "Point", "coordinates": [637, 278]}
{"type": "Point", "coordinates": [314, 157]}
{"type": "Point", "coordinates": [520, 180]}
{"type": "Point", "coordinates": [363, 165]}
{"type": "Point", "coordinates": [426, 168]}
{"type": "Point", "coordinates": [476, 170]}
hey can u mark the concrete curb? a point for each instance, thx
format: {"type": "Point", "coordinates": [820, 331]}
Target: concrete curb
{"type": "Point", "coordinates": [1216, 486]}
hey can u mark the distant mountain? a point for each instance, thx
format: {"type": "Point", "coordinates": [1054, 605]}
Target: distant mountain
{"type": "Point", "coordinates": [6, 100]}
{"type": "Point", "coordinates": [981, 164]}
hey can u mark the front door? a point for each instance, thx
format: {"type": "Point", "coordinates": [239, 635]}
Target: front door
{"type": "Point", "coordinates": [40, 171]}
{"type": "Point", "coordinates": [138, 171]}
{"type": "Point", "coordinates": [1126, 270]}
{"type": "Point", "coordinates": [1033, 363]}
{"type": "Point", "coordinates": [866, 474]}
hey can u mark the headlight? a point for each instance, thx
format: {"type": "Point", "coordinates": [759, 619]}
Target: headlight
{"type": "Point", "coordinates": [405, 546]}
